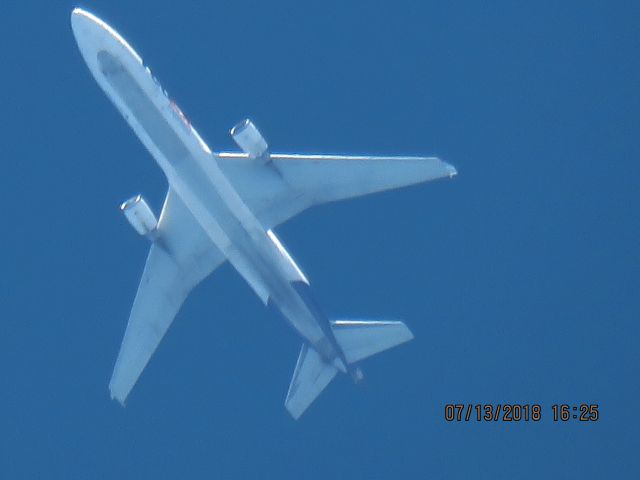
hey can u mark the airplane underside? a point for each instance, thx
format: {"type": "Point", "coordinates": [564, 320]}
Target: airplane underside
{"type": "Point", "coordinates": [223, 207]}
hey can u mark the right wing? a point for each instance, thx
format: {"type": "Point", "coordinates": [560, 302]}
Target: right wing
{"type": "Point", "coordinates": [287, 184]}
{"type": "Point", "coordinates": [181, 256]}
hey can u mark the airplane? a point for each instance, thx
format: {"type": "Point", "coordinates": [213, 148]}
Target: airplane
{"type": "Point", "coordinates": [223, 206]}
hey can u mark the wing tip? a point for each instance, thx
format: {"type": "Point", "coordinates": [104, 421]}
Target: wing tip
{"type": "Point", "coordinates": [409, 334]}
{"type": "Point", "coordinates": [295, 413]}
{"type": "Point", "coordinates": [121, 399]}
{"type": "Point", "coordinates": [449, 170]}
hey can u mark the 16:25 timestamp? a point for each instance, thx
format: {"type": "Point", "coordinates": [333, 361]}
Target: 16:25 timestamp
{"type": "Point", "coordinates": [524, 412]}
{"type": "Point", "coordinates": [583, 412]}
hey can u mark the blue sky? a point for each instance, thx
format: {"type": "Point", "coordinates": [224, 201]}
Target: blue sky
{"type": "Point", "coordinates": [519, 278]}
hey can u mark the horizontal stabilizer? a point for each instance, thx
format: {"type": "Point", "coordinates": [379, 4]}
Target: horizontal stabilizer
{"type": "Point", "coordinates": [360, 339]}
{"type": "Point", "coordinates": [311, 376]}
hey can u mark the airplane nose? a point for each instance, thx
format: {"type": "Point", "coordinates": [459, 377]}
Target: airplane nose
{"type": "Point", "coordinates": [78, 16]}
{"type": "Point", "coordinates": [92, 34]}
{"type": "Point", "coordinates": [77, 11]}
{"type": "Point", "coordinates": [81, 22]}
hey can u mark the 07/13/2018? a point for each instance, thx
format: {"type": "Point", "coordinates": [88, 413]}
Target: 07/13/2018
{"type": "Point", "coordinates": [506, 412]}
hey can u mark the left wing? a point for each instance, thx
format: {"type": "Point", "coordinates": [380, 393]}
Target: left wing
{"type": "Point", "coordinates": [286, 184]}
{"type": "Point", "coordinates": [181, 256]}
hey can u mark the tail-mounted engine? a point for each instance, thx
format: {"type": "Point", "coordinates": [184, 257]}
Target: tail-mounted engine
{"type": "Point", "coordinates": [249, 139]}
{"type": "Point", "coordinates": [140, 216]}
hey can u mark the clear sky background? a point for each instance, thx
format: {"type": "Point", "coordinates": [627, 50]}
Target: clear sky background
{"type": "Point", "coordinates": [519, 277]}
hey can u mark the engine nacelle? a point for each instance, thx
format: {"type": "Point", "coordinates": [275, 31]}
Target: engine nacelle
{"type": "Point", "coordinates": [249, 139]}
{"type": "Point", "coordinates": [140, 216]}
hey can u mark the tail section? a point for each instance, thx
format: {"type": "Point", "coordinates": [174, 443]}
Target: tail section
{"type": "Point", "coordinates": [310, 377]}
{"type": "Point", "coordinates": [358, 340]}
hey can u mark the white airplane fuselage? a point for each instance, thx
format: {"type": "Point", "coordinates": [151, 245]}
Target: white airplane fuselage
{"type": "Point", "coordinates": [194, 174]}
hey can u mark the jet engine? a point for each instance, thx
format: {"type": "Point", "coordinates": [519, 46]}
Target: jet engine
{"type": "Point", "coordinates": [140, 216]}
{"type": "Point", "coordinates": [249, 139]}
